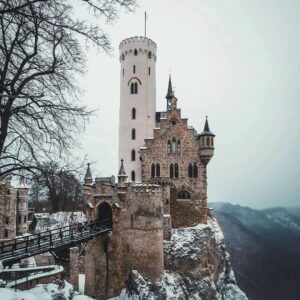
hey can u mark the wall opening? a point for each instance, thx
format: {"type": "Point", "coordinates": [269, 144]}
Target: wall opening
{"type": "Point", "coordinates": [105, 213]}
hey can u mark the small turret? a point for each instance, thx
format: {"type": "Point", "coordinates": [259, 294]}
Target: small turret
{"type": "Point", "coordinates": [206, 139]}
{"type": "Point", "coordinates": [122, 177]}
{"type": "Point", "coordinates": [170, 94]}
{"type": "Point", "coordinates": [88, 179]}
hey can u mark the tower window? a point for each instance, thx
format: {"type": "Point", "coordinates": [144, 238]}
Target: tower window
{"type": "Point", "coordinates": [173, 146]}
{"type": "Point", "coordinates": [152, 170]}
{"type": "Point", "coordinates": [149, 71]}
{"type": "Point", "coordinates": [133, 134]}
{"type": "Point", "coordinates": [169, 147]}
{"type": "Point", "coordinates": [195, 173]}
{"type": "Point", "coordinates": [184, 195]}
{"type": "Point", "coordinates": [123, 72]}
{"type": "Point", "coordinates": [190, 171]}
{"type": "Point", "coordinates": [157, 170]}
{"type": "Point", "coordinates": [212, 142]}
{"type": "Point", "coordinates": [178, 147]}
{"type": "Point", "coordinates": [150, 54]}
{"type": "Point", "coordinates": [132, 176]}
{"type": "Point", "coordinates": [174, 171]}
{"type": "Point", "coordinates": [171, 171]}
{"type": "Point", "coordinates": [19, 219]}
{"type": "Point", "coordinates": [135, 52]}
{"type": "Point", "coordinates": [133, 114]}
{"type": "Point", "coordinates": [6, 220]}
{"type": "Point", "coordinates": [134, 69]}
{"type": "Point", "coordinates": [133, 155]}
{"type": "Point", "coordinates": [6, 233]}
{"type": "Point", "coordinates": [133, 88]}
{"type": "Point", "coordinates": [208, 142]}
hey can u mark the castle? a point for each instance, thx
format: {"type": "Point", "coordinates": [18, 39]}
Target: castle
{"type": "Point", "coordinates": [166, 162]}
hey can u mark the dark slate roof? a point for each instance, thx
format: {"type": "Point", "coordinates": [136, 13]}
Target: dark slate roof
{"type": "Point", "coordinates": [122, 169]}
{"type": "Point", "coordinates": [88, 174]}
{"type": "Point", "coordinates": [206, 130]}
{"type": "Point", "coordinates": [170, 93]}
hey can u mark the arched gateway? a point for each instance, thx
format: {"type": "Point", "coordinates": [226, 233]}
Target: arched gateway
{"type": "Point", "coordinates": [105, 213]}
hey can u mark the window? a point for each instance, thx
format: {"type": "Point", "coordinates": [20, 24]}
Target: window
{"type": "Point", "coordinates": [150, 54]}
{"type": "Point", "coordinates": [178, 147]}
{"type": "Point", "coordinates": [133, 134]}
{"type": "Point", "coordinates": [132, 176]}
{"type": "Point", "coordinates": [184, 195]}
{"type": "Point", "coordinates": [134, 69]}
{"type": "Point", "coordinates": [174, 171]}
{"type": "Point", "coordinates": [135, 52]}
{"type": "Point", "coordinates": [133, 114]}
{"type": "Point", "coordinates": [173, 146]}
{"type": "Point", "coordinates": [25, 219]}
{"type": "Point", "coordinates": [169, 147]}
{"type": "Point", "coordinates": [157, 170]}
{"type": "Point", "coordinates": [8, 192]}
{"type": "Point", "coordinates": [212, 142]}
{"type": "Point", "coordinates": [19, 220]}
{"type": "Point", "coordinates": [6, 233]}
{"type": "Point", "coordinates": [190, 171]}
{"type": "Point", "coordinates": [6, 220]}
{"type": "Point", "coordinates": [208, 142]}
{"type": "Point", "coordinates": [153, 170]}
{"type": "Point", "coordinates": [133, 155]}
{"type": "Point", "coordinates": [133, 88]}
{"type": "Point", "coordinates": [149, 71]}
{"type": "Point", "coordinates": [195, 173]}
{"type": "Point", "coordinates": [171, 171]}
{"type": "Point", "coordinates": [123, 72]}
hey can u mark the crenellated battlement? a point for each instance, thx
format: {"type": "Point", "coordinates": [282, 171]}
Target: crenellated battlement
{"type": "Point", "coordinates": [137, 39]}
{"type": "Point", "coordinates": [145, 190]}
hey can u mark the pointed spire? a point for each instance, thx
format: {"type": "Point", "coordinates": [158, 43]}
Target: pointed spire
{"type": "Point", "coordinates": [206, 126]}
{"type": "Point", "coordinates": [170, 92]}
{"type": "Point", "coordinates": [206, 130]}
{"type": "Point", "coordinates": [88, 174]}
{"type": "Point", "coordinates": [122, 172]}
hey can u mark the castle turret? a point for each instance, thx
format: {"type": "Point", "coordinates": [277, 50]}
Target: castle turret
{"type": "Point", "coordinates": [88, 179]}
{"type": "Point", "coordinates": [206, 144]}
{"type": "Point", "coordinates": [122, 177]}
{"type": "Point", "coordinates": [137, 100]}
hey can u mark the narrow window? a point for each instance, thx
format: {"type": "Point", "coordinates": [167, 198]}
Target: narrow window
{"type": "Point", "coordinates": [133, 134]}
{"type": "Point", "coordinates": [133, 114]}
{"type": "Point", "coordinates": [173, 146]}
{"type": "Point", "coordinates": [25, 219]}
{"type": "Point", "coordinates": [150, 54]}
{"type": "Point", "coordinates": [178, 147]}
{"type": "Point", "coordinates": [6, 220]}
{"type": "Point", "coordinates": [19, 220]}
{"type": "Point", "coordinates": [157, 170]}
{"type": "Point", "coordinates": [132, 88]}
{"type": "Point", "coordinates": [152, 170]}
{"type": "Point", "coordinates": [190, 170]}
{"type": "Point", "coordinates": [132, 176]}
{"type": "Point", "coordinates": [8, 192]}
{"type": "Point", "coordinates": [169, 147]}
{"type": "Point", "coordinates": [202, 142]}
{"type": "Point", "coordinates": [171, 171]}
{"type": "Point", "coordinates": [123, 72]}
{"type": "Point", "coordinates": [207, 142]}
{"type": "Point", "coordinates": [135, 88]}
{"type": "Point", "coordinates": [134, 69]}
{"type": "Point", "coordinates": [176, 171]}
{"type": "Point", "coordinates": [6, 233]}
{"type": "Point", "coordinates": [135, 52]}
{"type": "Point", "coordinates": [149, 71]}
{"type": "Point", "coordinates": [133, 155]}
{"type": "Point", "coordinates": [195, 173]}
{"type": "Point", "coordinates": [212, 142]}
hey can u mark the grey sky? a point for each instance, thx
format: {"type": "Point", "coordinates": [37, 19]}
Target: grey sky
{"type": "Point", "coordinates": [238, 61]}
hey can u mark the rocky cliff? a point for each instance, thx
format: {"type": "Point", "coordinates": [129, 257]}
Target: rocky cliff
{"type": "Point", "coordinates": [197, 266]}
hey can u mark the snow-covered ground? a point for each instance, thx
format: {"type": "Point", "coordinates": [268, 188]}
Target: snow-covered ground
{"type": "Point", "coordinates": [60, 290]}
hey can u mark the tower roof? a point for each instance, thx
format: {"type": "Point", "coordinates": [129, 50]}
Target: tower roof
{"type": "Point", "coordinates": [170, 92]}
{"type": "Point", "coordinates": [88, 174]}
{"type": "Point", "coordinates": [206, 130]}
{"type": "Point", "coordinates": [122, 172]}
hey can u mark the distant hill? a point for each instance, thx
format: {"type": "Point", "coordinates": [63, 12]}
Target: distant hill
{"type": "Point", "coordinates": [265, 249]}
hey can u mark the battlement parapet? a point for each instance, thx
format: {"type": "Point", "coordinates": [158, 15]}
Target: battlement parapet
{"type": "Point", "coordinates": [139, 40]}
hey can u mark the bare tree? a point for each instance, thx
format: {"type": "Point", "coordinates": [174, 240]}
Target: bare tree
{"type": "Point", "coordinates": [41, 53]}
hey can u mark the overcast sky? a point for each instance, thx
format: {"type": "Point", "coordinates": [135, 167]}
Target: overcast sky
{"type": "Point", "coordinates": [237, 61]}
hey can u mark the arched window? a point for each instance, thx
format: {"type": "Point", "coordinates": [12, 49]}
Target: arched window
{"type": "Point", "coordinates": [133, 134]}
{"type": "Point", "coordinates": [157, 170]}
{"type": "Point", "coordinates": [132, 155]}
{"type": "Point", "coordinates": [183, 195]}
{"type": "Point", "coordinates": [178, 147]}
{"type": "Point", "coordinates": [133, 114]}
{"type": "Point", "coordinates": [134, 69]}
{"type": "Point", "coordinates": [169, 147]}
{"type": "Point", "coordinates": [173, 146]}
{"type": "Point", "coordinates": [132, 176]}
{"type": "Point", "coordinates": [195, 171]}
{"type": "Point", "coordinates": [171, 171]}
{"type": "Point", "coordinates": [176, 171]}
{"type": "Point", "coordinates": [152, 170]}
{"type": "Point", "coordinates": [135, 52]}
{"type": "Point", "coordinates": [135, 88]}
{"type": "Point", "coordinates": [190, 171]}
{"type": "Point", "coordinates": [207, 141]}
{"type": "Point", "coordinates": [149, 71]}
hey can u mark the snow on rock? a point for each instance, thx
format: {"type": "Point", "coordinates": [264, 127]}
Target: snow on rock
{"type": "Point", "coordinates": [197, 267]}
{"type": "Point", "coordinates": [46, 221]}
{"type": "Point", "coordinates": [59, 290]}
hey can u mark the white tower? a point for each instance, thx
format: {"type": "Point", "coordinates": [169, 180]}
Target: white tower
{"type": "Point", "coordinates": [137, 100]}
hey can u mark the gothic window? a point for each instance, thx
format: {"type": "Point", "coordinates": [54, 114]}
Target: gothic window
{"type": "Point", "coordinates": [171, 171]}
{"type": "Point", "coordinates": [176, 171]}
{"type": "Point", "coordinates": [132, 176]}
{"type": "Point", "coordinates": [195, 171]}
{"type": "Point", "coordinates": [173, 146]}
{"type": "Point", "coordinates": [178, 147]}
{"type": "Point", "coordinates": [135, 52]}
{"type": "Point", "coordinates": [152, 170]}
{"type": "Point", "coordinates": [133, 134]}
{"type": "Point", "coordinates": [190, 171]}
{"type": "Point", "coordinates": [134, 69]}
{"type": "Point", "coordinates": [133, 114]}
{"type": "Point", "coordinates": [157, 170]}
{"type": "Point", "coordinates": [133, 155]}
{"type": "Point", "coordinates": [207, 142]}
{"type": "Point", "coordinates": [169, 147]}
{"type": "Point", "coordinates": [149, 71]}
{"type": "Point", "coordinates": [184, 195]}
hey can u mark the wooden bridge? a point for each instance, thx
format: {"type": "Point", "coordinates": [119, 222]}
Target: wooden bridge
{"type": "Point", "coordinates": [11, 251]}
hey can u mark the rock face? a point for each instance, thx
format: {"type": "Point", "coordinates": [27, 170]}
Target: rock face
{"type": "Point", "coordinates": [197, 266]}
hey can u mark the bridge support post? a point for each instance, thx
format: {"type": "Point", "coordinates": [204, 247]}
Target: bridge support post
{"type": "Point", "coordinates": [73, 267]}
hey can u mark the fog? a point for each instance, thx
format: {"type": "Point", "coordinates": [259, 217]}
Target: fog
{"type": "Point", "coordinates": [237, 62]}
